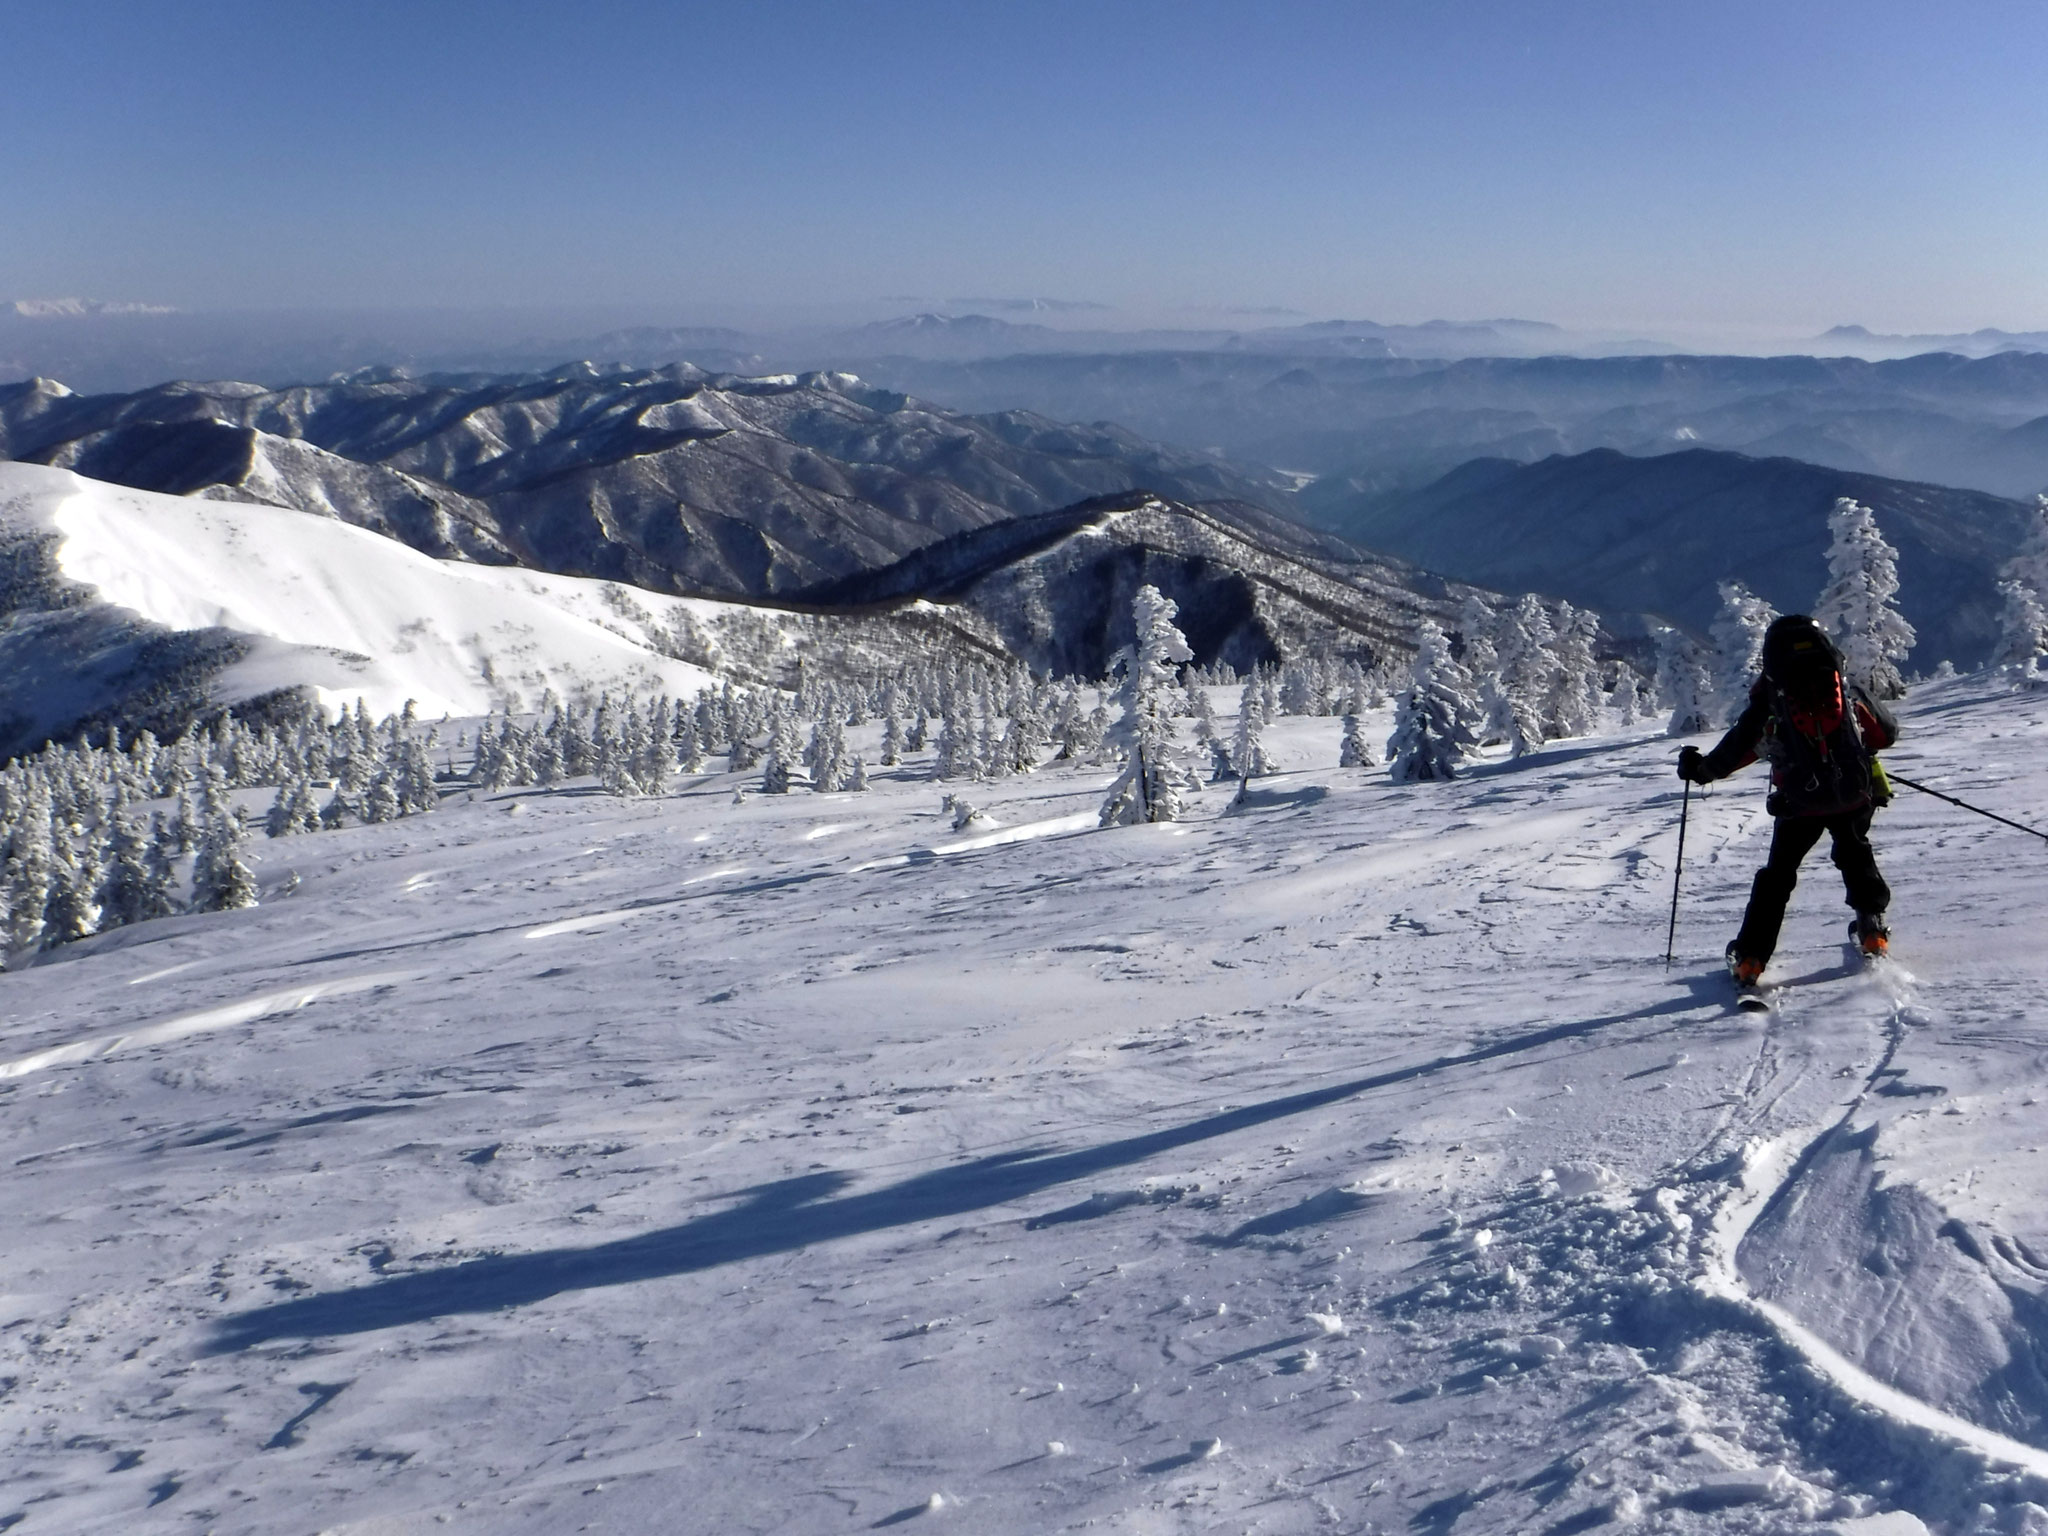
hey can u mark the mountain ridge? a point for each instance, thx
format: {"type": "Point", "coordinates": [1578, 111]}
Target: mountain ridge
{"type": "Point", "coordinates": [1611, 531]}
{"type": "Point", "coordinates": [672, 479]}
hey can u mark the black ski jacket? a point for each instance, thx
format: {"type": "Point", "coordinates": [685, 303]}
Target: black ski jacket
{"type": "Point", "coordinates": [1757, 731]}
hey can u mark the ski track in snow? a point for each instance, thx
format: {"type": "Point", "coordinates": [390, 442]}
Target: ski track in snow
{"type": "Point", "coordinates": [1348, 1161]}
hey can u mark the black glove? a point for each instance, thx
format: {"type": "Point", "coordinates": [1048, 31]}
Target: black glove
{"type": "Point", "coordinates": [1692, 765]}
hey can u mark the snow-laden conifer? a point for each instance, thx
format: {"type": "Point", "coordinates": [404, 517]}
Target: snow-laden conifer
{"type": "Point", "coordinates": [185, 820]}
{"type": "Point", "coordinates": [2023, 589]}
{"type": "Point", "coordinates": [1738, 636]}
{"type": "Point", "coordinates": [827, 756]}
{"type": "Point", "coordinates": [1433, 715]}
{"type": "Point", "coordinates": [1685, 686]}
{"type": "Point", "coordinates": [1024, 740]}
{"type": "Point", "coordinates": [654, 759]}
{"type": "Point", "coordinates": [857, 776]}
{"type": "Point", "coordinates": [1149, 788]}
{"type": "Point", "coordinates": [1516, 695]}
{"type": "Point", "coordinates": [1476, 651]}
{"type": "Point", "coordinates": [129, 890]}
{"type": "Point", "coordinates": [1201, 711]}
{"type": "Point", "coordinates": [785, 753]}
{"type": "Point", "coordinates": [30, 854]}
{"type": "Point", "coordinates": [1857, 607]}
{"type": "Point", "coordinates": [76, 871]}
{"type": "Point", "coordinates": [412, 771]}
{"type": "Point", "coordinates": [163, 894]}
{"type": "Point", "coordinates": [295, 810]}
{"type": "Point", "coordinates": [1627, 699]}
{"type": "Point", "coordinates": [2022, 630]}
{"type": "Point", "coordinates": [221, 878]}
{"type": "Point", "coordinates": [1572, 707]}
{"type": "Point", "coordinates": [380, 800]}
{"type": "Point", "coordinates": [1357, 749]}
{"type": "Point", "coordinates": [1248, 756]}
{"type": "Point", "coordinates": [952, 753]}
{"type": "Point", "coordinates": [892, 740]}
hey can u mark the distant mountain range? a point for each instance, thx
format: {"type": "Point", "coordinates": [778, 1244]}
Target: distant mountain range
{"type": "Point", "coordinates": [1612, 532]}
{"type": "Point", "coordinates": [102, 347]}
{"type": "Point", "coordinates": [1367, 427]}
{"type": "Point", "coordinates": [669, 479]}
{"type": "Point", "coordinates": [79, 309]}
{"type": "Point", "coordinates": [1858, 341]}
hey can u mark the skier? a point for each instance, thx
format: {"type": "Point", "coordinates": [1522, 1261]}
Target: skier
{"type": "Point", "coordinates": [1821, 736]}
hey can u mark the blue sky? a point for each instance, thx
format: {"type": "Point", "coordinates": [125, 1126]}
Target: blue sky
{"type": "Point", "coordinates": [1635, 165]}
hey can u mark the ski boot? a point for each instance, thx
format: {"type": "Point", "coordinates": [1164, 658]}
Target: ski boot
{"type": "Point", "coordinates": [1870, 935]}
{"type": "Point", "coordinates": [1745, 970]}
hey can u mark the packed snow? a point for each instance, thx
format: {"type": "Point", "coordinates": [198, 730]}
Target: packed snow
{"type": "Point", "coordinates": [1342, 1156]}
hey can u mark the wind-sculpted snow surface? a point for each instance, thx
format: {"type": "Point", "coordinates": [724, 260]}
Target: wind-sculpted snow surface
{"type": "Point", "coordinates": [1346, 1162]}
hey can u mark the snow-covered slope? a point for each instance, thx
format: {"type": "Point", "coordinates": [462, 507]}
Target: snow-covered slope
{"type": "Point", "coordinates": [1350, 1162]}
{"type": "Point", "coordinates": [310, 601]}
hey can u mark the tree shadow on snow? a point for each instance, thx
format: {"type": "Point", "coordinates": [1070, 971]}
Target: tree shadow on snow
{"type": "Point", "coordinates": [797, 1213]}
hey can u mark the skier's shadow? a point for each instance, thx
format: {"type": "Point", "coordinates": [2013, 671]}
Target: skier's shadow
{"type": "Point", "coordinates": [789, 1214]}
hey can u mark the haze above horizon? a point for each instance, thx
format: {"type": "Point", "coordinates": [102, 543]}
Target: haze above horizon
{"type": "Point", "coordinates": [1739, 169]}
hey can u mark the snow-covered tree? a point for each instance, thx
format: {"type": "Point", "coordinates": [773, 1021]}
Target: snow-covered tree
{"type": "Point", "coordinates": [1738, 636]}
{"type": "Point", "coordinates": [1025, 739]}
{"type": "Point", "coordinates": [953, 753]}
{"type": "Point", "coordinates": [380, 800]}
{"type": "Point", "coordinates": [654, 760]}
{"type": "Point", "coordinates": [30, 855]}
{"type": "Point", "coordinates": [74, 909]}
{"type": "Point", "coordinates": [1684, 684]}
{"type": "Point", "coordinates": [2023, 584]}
{"type": "Point", "coordinates": [221, 878]}
{"type": "Point", "coordinates": [1433, 715]}
{"type": "Point", "coordinates": [412, 771]}
{"type": "Point", "coordinates": [892, 740]}
{"type": "Point", "coordinates": [2022, 630]}
{"type": "Point", "coordinates": [1475, 634]}
{"type": "Point", "coordinates": [1149, 788]}
{"type": "Point", "coordinates": [1856, 607]}
{"type": "Point", "coordinates": [131, 890]}
{"type": "Point", "coordinates": [1572, 706]}
{"type": "Point", "coordinates": [1248, 756]}
{"type": "Point", "coordinates": [784, 756]}
{"type": "Point", "coordinates": [826, 756]}
{"type": "Point", "coordinates": [1516, 694]}
{"type": "Point", "coordinates": [1628, 699]}
{"type": "Point", "coordinates": [295, 810]}
{"type": "Point", "coordinates": [1357, 750]}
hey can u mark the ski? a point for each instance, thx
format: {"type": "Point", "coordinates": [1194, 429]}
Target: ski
{"type": "Point", "coordinates": [1755, 998]}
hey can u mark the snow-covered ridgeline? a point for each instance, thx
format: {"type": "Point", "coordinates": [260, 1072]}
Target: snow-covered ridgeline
{"type": "Point", "coordinates": [347, 612]}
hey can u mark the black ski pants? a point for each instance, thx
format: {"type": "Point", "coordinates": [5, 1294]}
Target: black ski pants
{"type": "Point", "coordinates": [1792, 839]}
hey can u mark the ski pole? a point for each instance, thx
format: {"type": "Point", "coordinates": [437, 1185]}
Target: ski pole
{"type": "Point", "coordinates": [1671, 935]}
{"type": "Point", "coordinates": [1900, 778]}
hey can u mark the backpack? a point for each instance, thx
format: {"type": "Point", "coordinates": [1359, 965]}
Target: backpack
{"type": "Point", "coordinates": [1824, 734]}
